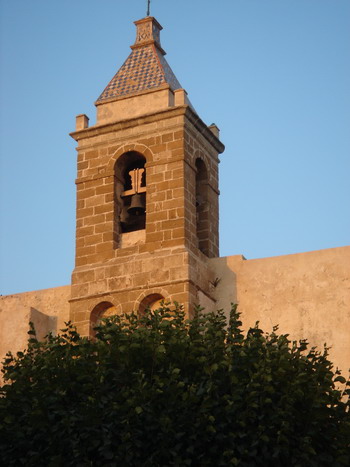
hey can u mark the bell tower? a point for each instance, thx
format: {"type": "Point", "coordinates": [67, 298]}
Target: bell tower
{"type": "Point", "coordinates": [147, 192]}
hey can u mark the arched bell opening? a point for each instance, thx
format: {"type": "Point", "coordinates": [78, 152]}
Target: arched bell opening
{"type": "Point", "coordinates": [202, 207]}
{"type": "Point", "coordinates": [102, 310]}
{"type": "Point", "coordinates": [151, 302]}
{"type": "Point", "coordinates": [130, 175]}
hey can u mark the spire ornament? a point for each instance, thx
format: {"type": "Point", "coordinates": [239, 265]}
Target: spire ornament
{"type": "Point", "coordinates": [148, 7]}
{"type": "Point", "coordinates": [145, 69]}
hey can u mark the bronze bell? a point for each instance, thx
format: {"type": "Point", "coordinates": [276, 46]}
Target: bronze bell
{"type": "Point", "coordinates": [137, 206]}
{"type": "Point", "coordinates": [124, 215]}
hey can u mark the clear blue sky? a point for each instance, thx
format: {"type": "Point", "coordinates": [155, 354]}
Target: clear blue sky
{"type": "Point", "coordinates": [274, 75]}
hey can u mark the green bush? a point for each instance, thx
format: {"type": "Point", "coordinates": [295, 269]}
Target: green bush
{"type": "Point", "coordinates": [159, 390]}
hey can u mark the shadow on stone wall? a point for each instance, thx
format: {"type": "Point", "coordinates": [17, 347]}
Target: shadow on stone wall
{"type": "Point", "coordinates": [43, 324]}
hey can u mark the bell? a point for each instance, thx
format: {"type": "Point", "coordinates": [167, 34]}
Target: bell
{"type": "Point", "coordinates": [124, 216]}
{"type": "Point", "coordinates": [137, 206]}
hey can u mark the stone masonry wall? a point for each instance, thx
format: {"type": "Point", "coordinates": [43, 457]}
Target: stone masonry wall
{"type": "Point", "coordinates": [167, 262]}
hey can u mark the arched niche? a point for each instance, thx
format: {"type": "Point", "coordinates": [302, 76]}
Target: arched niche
{"type": "Point", "coordinates": [202, 206]}
{"type": "Point", "coordinates": [130, 190]}
{"type": "Point", "coordinates": [150, 302]}
{"type": "Point", "coordinates": [102, 310]}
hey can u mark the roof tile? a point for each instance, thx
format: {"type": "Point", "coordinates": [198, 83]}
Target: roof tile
{"type": "Point", "coordinates": [145, 68]}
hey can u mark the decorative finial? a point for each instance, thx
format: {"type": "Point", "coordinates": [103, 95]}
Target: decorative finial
{"type": "Point", "coordinates": [148, 7]}
{"type": "Point", "coordinates": [148, 31]}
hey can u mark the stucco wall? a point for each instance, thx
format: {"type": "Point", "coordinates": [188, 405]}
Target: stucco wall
{"type": "Point", "coordinates": [306, 294]}
{"type": "Point", "coordinates": [48, 309]}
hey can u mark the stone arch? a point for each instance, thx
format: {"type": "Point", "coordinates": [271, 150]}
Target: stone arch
{"type": "Point", "coordinates": [129, 158]}
{"type": "Point", "coordinates": [102, 310]}
{"type": "Point", "coordinates": [150, 299]}
{"type": "Point", "coordinates": [130, 190]}
{"type": "Point", "coordinates": [207, 160]}
{"type": "Point", "coordinates": [199, 154]}
{"type": "Point", "coordinates": [129, 147]}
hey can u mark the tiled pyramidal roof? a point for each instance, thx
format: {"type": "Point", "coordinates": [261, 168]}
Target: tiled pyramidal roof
{"type": "Point", "coordinates": [145, 68]}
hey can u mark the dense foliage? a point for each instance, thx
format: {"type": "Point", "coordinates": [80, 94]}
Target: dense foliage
{"type": "Point", "coordinates": [159, 390]}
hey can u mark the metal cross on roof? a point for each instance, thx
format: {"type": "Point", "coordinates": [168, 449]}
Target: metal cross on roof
{"type": "Point", "coordinates": [148, 7]}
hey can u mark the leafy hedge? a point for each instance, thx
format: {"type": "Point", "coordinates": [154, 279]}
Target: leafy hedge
{"type": "Point", "coordinates": [159, 390]}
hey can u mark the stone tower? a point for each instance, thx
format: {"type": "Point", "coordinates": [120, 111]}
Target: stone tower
{"type": "Point", "coordinates": [147, 192]}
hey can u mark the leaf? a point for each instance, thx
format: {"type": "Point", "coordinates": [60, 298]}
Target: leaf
{"type": "Point", "coordinates": [197, 392]}
{"type": "Point", "coordinates": [340, 379]}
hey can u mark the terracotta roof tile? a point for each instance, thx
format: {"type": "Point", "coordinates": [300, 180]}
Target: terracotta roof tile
{"type": "Point", "coordinates": [145, 68]}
